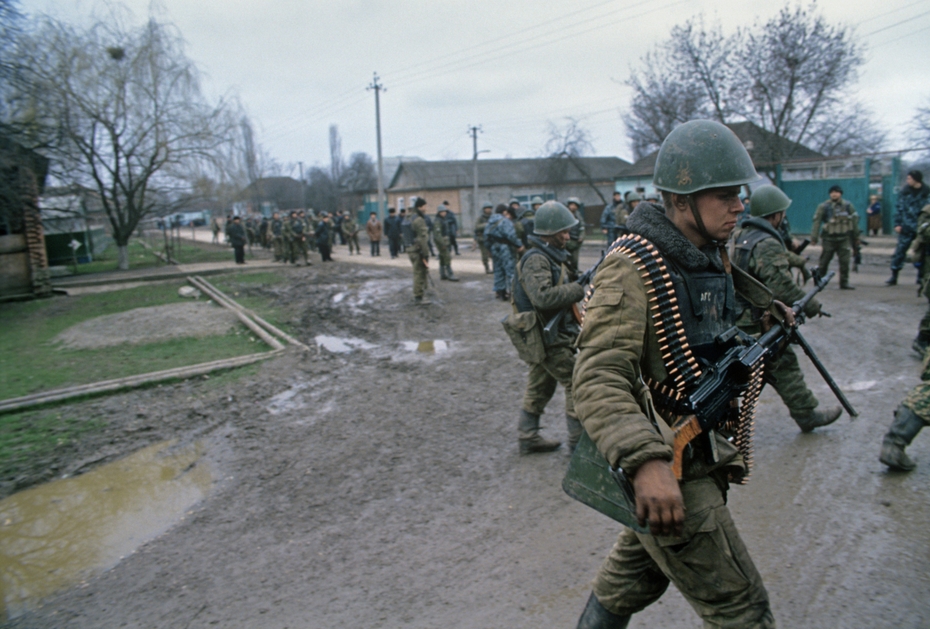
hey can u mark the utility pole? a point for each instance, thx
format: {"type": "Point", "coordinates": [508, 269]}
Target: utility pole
{"type": "Point", "coordinates": [378, 88]}
{"type": "Point", "coordinates": [303, 189]}
{"type": "Point", "coordinates": [473, 131]}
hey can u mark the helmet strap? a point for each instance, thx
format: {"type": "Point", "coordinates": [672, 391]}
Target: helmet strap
{"type": "Point", "coordinates": [700, 223]}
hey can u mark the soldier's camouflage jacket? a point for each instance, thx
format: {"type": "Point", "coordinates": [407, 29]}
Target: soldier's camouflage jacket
{"type": "Point", "coordinates": [618, 346]}
{"type": "Point", "coordinates": [920, 248]}
{"type": "Point", "coordinates": [760, 251]}
{"type": "Point", "coordinates": [547, 283]}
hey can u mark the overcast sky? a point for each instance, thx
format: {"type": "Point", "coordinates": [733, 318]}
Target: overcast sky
{"type": "Point", "coordinates": [510, 67]}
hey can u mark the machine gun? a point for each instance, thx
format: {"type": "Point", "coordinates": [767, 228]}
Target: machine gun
{"type": "Point", "coordinates": [800, 248]}
{"type": "Point", "coordinates": [591, 480]}
{"type": "Point", "coordinates": [706, 407]}
{"type": "Point", "coordinates": [551, 329]}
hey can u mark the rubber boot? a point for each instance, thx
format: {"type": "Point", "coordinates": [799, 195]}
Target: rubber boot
{"type": "Point", "coordinates": [442, 272]}
{"type": "Point", "coordinates": [814, 418]}
{"type": "Point", "coordinates": [596, 616]}
{"type": "Point", "coordinates": [921, 343]}
{"type": "Point", "coordinates": [903, 429]}
{"type": "Point", "coordinates": [500, 295]}
{"type": "Point", "coordinates": [530, 439]}
{"type": "Point", "coordinates": [575, 430]}
{"type": "Point", "coordinates": [450, 276]}
{"type": "Point", "coordinates": [893, 280]}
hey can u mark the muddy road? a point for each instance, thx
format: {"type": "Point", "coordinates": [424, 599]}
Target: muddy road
{"type": "Point", "coordinates": [382, 486]}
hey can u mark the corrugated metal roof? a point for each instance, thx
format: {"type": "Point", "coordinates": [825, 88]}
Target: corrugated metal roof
{"type": "Point", "coordinates": [501, 172]}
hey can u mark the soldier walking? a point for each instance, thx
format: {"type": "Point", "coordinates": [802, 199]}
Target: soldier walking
{"type": "Point", "coordinates": [501, 238]}
{"type": "Point", "coordinates": [544, 284]}
{"type": "Point", "coordinates": [692, 540]}
{"type": "Point", "coordinates": [416, 241]}
{"type": "Point", "coordinates": [442, 231]}
{"type": "Point", "coordinates": [840, 224]}
{"type": "Point", "coordinates": [909, 418]}
{"type": "Point", "coordinates": [216, 229]}
{"type": "Point", "coordinates": [480, 225]}
{"type": "Point", "coordinates": [914, 195]}
{"type": "Point", "coordinates": [761, 252]}
{"type": "Point", "coordinates": [296, 238]}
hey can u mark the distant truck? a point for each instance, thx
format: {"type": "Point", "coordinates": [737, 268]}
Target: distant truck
{"type": "Point", "coordinates": [187, 219]}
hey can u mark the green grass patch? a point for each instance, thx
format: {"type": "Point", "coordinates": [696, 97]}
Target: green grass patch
{"type": "Point", "coordinates": [27, 438]}
{"type": "Point", "coordinates": [30, 360]}
{"type": "Point", "coordinates": [107, 260]}
{"type": "Point", "coordinates": [140, 257]}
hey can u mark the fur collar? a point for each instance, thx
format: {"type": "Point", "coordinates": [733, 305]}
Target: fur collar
{"type": "Point", "coordinates": [649, 221]}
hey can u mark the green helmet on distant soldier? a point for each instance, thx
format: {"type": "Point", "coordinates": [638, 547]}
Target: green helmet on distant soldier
{"type": "Point", "coordinates": [767, 200]}
{"type": "Point", "coordinates": [537, 200]}
{"type": "Point", "coordinates": [633, 196]}
{"type": "Point", "coordinates": [553, 217]}
{"type": "Point", "coordinates": [702, 154]}
{"type": "Point", "coordinates": [574, 200]}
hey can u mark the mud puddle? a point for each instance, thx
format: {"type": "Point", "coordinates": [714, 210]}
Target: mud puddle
{"type": "Point", "coordinates": [60, 533]}
{"type": "Point", "coordinates": [426, 347]}
{"type": "Point", "coordinates": [340, 344]}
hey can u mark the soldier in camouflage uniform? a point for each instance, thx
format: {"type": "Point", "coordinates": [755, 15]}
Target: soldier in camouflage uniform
{"type": "Point", "coordinates": [350, 231]}
{"type": "Point", "coordinates": [416, 241]}
{"type": "Point", "coordinates": [840, 223]}
{"type": "Point", "coordinates": [920, 253]}
{"type": "Point", "coordinates": [442, 237]}
{"type": "Point", "coordinates": [909, 418]}
{"type": "Point", "coordinates": [577, 233]}
{"type": "Point", "coordinates": [501, 239]}
{"type": "Point", "coordinates": [693, 541]}
{"type": "Point", "coordinates": [544, 284]}
{"type": "Point", "coordinates": [480, 224]}
{"type": "Point", "coordinates": [297, 239]}
{"type": "Point", "coordinates": [308, 229]}
{"type": "Point", "coordinates": [276, 235]}
{"type": "Point", "coordinates": [761, 252]}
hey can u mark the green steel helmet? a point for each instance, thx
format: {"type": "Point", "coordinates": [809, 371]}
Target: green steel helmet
{"type": "Point", "coordinates": [768, 200]}
{"type": "Point", "coordinates": [702, 154]}
{"type": "Point", "coordinates": [487, 205]}
{"type": "Point", "coordinates": [553, 217]}
{"type": "Point", "coordinates": [573, 200]}
{"type": "Point", "coordinates": [537, 200]}
{"type": "Point", "coordinates": [633, 197]}
{"type": "Point", "coordinates": [513, 200]}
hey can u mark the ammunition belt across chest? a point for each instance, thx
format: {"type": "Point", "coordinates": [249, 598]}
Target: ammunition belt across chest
{"type": "Point", "coordinates": [680, 363]}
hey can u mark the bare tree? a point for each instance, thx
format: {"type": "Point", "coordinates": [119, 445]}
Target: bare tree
{"type": "Point", "coordinates": [564, 147]}
{"type": "Point", "coordinates": [118, 109]}
{"type": "Point", "coordinates": [920, 126]}
{"type": "Point", "coordinates": [790, 75]}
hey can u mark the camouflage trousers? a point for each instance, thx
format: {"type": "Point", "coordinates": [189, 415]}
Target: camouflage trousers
{"type": "Point", "coordinates": [485, 254]}
{"type": "Point", "coordinates": [838, 245]}
{"type": "Point", "coordinates": [925, 321]}
{"type": "Point", "coordinates": [419, 274]}
{"type": "Point", "coordinates": [790, 384]}
{"type": "Point", "coordinates": [298, 247]}
{"type": "Point", "coordinates": [503, 266]}
{"type": "Point", "coordinates": [279, 249]}
{"type": "Point", "coordinates": [709, 564]}
{"type": "Point", "coordinates": [541, 384]}
{"type": "Point", "coordinates": [445, 252]}
{"type": "Point", "coordinates": [918, 400]}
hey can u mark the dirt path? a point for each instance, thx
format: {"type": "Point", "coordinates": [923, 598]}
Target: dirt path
{"type": "Point", "coordinates": [383, 488]}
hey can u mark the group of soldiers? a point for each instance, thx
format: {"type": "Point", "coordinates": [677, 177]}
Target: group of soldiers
{"type": "Point", "coordinates": [679, 275]}
{"type": "Point", "coordinates": [419, 233]}
{"type": "Point", "coordinates": [503, 234]}
{"type": "Point", "coordinates": [292, 236]}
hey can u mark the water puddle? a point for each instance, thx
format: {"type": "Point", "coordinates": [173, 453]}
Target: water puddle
{"type": "Point", "coordinates": [341, 345]}
{"type": "Point", "coordinates": [864, 385]}
{"type": "Point", "coordinates": [55, 535]}
{"type": "Point", "coordinates": [426, 347]}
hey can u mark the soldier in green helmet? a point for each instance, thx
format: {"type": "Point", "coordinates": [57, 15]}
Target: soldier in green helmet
{"type": "Point", "coordinates": [622, 379]}
{"type": "Point", "coordinates": [442, 237]}
{"type": "Point", "coordinates": [577, 233]}
{"type": "Point", "coordinates": [544, 284]}
{"type": "Point", "coordinates": [761, 252]}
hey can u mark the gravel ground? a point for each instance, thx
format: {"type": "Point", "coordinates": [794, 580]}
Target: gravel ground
{"type": "Point", "coordinates": [382, 487]}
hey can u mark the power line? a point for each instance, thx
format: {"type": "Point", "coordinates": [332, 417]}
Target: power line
{"type": "Point", "coordinates": [904, 21]}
